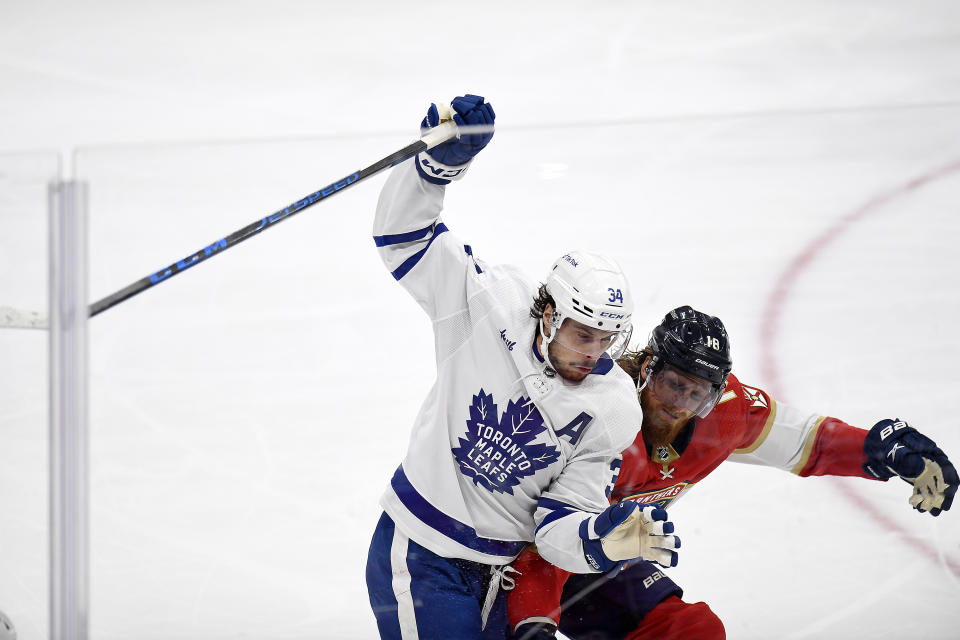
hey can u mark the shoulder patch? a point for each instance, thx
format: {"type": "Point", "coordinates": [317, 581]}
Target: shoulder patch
{"type": "Point", "coordinates": [755, 397]}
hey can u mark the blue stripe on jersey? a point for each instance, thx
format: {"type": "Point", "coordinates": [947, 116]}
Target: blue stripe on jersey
{"type": "Point", "coordinates": [557, 510]}
{"type": "Point", "coordinates": [450, 527]}
{"type": "Point", "coordinates": [400, 238]}
{"type": "Point", "coordinates": [412, 261]}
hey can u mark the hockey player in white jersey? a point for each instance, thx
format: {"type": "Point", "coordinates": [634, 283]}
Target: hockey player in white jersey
{"type": "Point", "coordinates": [519, 439]}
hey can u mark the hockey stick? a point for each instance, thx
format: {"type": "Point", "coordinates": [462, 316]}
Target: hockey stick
{"type": "Point", "coordinates": [439, 134]}
{"type": "Point", "coordinates": [14, 318]}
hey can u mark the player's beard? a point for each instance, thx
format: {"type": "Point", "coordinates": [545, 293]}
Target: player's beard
{"type": "Point", "coordinates": [660, 422]}
{"type": "Point", "coordinates": [573, 369]}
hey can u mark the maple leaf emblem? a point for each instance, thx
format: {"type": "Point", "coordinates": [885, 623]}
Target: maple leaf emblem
{"type": "Point", "coordinates": [496, 451]}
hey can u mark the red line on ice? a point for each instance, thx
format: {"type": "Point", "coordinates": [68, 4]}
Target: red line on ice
{"type": "Point", "coordinates": [770, 321]}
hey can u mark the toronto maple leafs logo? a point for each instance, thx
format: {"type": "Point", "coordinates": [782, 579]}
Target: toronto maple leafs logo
{"type": "Point", "coordinates": [496, 451]}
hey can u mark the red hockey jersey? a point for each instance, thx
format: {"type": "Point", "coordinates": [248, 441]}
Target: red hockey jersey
{"type": "Point", "coordinates": [745, 426]}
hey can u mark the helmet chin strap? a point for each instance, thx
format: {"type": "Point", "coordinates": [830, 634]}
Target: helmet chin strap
{"type": "Point", "coordinates": [545, 344]}
{"type": "Point", "coordinates": [646, 379]}
{"type": "Point", "coordinates": [641, 387]}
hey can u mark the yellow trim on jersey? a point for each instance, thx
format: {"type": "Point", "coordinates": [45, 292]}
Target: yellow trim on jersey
{"type": "Point", "coordinates": [808, 446]}
{"type": "Point", "coordinates": [729, 395]}
{"type": "Point", "coordinates": [764, 433]}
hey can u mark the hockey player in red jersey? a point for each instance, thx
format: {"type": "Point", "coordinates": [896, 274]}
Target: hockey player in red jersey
{"type": "Point", "coordinates": [696, 414]}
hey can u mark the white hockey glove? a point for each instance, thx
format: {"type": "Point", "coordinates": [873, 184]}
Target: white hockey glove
{"type": "Point", "coordinates": [894, 448]}
{"type": "Point", "coordinates": [625, 531]}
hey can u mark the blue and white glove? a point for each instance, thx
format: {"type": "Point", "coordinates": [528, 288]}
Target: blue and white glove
{"type": "Point", "coordinates": [894, 448]}
{"type": "Point", "coordinates": [448, 161]}
{"type": "Point", "coordinates": [625, 531]}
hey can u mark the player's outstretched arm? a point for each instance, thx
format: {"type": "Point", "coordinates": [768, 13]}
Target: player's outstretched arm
{"type": "Point", "coordinates": [894, 448]}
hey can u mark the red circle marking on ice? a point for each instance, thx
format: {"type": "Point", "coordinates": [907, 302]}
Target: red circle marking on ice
{"type": "Point", "coordinates": [769, 327]}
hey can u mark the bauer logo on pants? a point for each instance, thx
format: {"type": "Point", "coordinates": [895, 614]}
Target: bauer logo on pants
{"type": "Point", "coordinates": [496, 451]}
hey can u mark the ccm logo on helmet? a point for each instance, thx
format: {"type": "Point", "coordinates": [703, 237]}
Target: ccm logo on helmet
{"type": "Point", "coordinates": [707, 364]}
{"type": "Point", "coordinates": [612, 316]}
{"type": "Point", "coordinates": [570, 260]}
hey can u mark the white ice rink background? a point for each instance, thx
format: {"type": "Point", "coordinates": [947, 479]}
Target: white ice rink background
{"type": "Point", "coordinates": [792, 167]}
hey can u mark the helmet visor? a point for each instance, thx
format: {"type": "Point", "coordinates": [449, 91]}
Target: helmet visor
{"type": "Point", "coordinates": [682, 390]}
{"type": "Point", "coordinates": [591, 342]}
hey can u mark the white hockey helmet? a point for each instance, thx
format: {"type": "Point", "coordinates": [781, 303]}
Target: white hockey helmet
{"type": "Point", "coordinates": [591, 289]}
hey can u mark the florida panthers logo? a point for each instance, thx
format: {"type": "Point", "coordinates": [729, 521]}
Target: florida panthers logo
{"type": "Point", "coordinates": [496, 451]}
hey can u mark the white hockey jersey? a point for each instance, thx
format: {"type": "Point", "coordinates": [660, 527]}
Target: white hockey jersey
{"type": "Point", "coordinates": [501, 454]}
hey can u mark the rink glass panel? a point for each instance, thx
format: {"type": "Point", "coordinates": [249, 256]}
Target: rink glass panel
{"type": "Point", "coordinates": [24, 374]}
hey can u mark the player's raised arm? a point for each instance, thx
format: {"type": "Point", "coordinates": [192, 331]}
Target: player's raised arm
{"type": "Point", "coordinates": [413, 242]}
